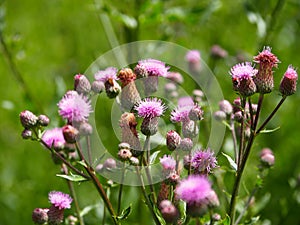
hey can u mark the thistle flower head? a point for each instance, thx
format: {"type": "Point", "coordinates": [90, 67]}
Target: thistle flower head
{"type": "Point", "coordinates": [266, 58]}
{"type": "Point", "coordinates": [288, 83]}
{"type": "Point", "coordinates": [60, 200]}
{"type": "Point", "coordinates": [151, 67]}
{"type": "Point", "coordinates": [180, 114]}
{"type": "Point", "coordinates": [109, 73]}
{"type": "Point", "coordinates": [126, 76]}
{"type": "Point", "coordinates": [243, 71]}
{"type": "Point", "coordinates": [150, 108]}
{"type": "Point", "coordinates": [168, 162]}
{"type": "Point", "coordinates": [74, 107]}
{"type": "Point", "coordinates": [193, 56]}
{"type": "Point", "coordinates": [54, 138]}
{"type": "Point", "coordinates": [203, 161]}
{"type": "Point", "coordinates": [193, 190]}
{"type": "Point", "coordinates": [81, 84]}
{"type": "Point", "coordinates": [175, 77]}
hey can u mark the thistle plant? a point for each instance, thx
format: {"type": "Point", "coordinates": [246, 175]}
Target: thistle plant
{"type": "Point", "coordinates": [188, 190]}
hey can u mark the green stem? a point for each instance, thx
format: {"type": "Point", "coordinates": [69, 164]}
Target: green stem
{"type": "Point", "coordinates": [74, 196]}
{"type": "Point", "coordinates": [121, 190]}
{"type": "Point", "coordinates": [98, 185]}
{"type": "Point", "coordinates": [243, 162]}
{"type": "Point", "coordinates": [271, 115]}
{"type": "Point", "coordinates": [242, 132]}
{"type": "Point", "coordinates": [148, 202]}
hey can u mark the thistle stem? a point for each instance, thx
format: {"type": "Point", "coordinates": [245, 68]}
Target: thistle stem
{"type": "Point", "coordinates": [74, 196]}
{"type": "Point", "coordinates": [98, 185]}
{"type": "Point", "coordinates": [121, 190]}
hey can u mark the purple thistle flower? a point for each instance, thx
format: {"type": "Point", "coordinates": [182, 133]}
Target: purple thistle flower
{"type": "Point", "coordinates": [60, 200]}
{"type": "Point", "coordinates": [105, 75]}
{"type": "Point", "coordinates": [193, 190]}
{"type": "Point", "coordinates": [150, 108]}
{"type": "Point", "coordinates": [54, 137]}
{"type": "Point", "coordinates": [193, 56]}
{"type": "Point", "coordinates": [181, 114]}
{"type": "Point", "coordinates": [185, 101]}
{"type": "Point", "coordinates": [74, 107]}
{"type": "Point", "coordinates": [204, 161]}
{"type": "Point", "coordinates": [151, 67]}
{"type": "Point", "coordinates": [243, 71]}
{"type": "Point", "coordinates": [168, 162]}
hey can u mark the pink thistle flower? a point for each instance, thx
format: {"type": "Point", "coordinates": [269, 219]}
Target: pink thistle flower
{"type": "Point", "coordinates": [60, 200]}
{"type": "Point", "coordinates": [181, 114]}
{"type": "Point", "coordinates": [168, 163]}
{"type": "Point", "coordinates": [74, 107]}
{"type": "Point", "coordinates": [243, 71]}
{"type": "Point", "coordinates": [54, 138]}
{"type": "Point", "coordinates": [242, 78]}
{"type": "Point", "coordinates": [204, 161]}
{"type": "Point", "coordinates": [150, 108]}
{"type": "Point", "coordinates": [193, 190]}
{"type": "Point", "coordinates": [151, 67]}
{"type": "Point", "coordinates": [107, 74]}
{"type": "Point", "coordinates": [266, 58]}
{"type": "Point", "coordinates": [185, 101]}
{"type": "Point", "coordinates": [288, 83]}
{"type": "Point", "coordinates": [193, 56]}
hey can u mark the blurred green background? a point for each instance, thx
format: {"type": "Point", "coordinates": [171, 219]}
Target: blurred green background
{"type": "Point", "coordinates": [45, 43]}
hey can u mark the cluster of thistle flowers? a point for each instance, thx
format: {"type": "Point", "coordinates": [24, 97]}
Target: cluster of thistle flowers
{"type": "Point", "coordinates": [55, 213]}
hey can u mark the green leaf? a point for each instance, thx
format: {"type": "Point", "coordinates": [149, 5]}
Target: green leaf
{"type": "Point", "coordinates": [82, 163]}
{"type": "Point", "coordinates": [153, 157]}
{"type": "Point", "coordinates": [265, 131]}
{"type": "Point", "coordinates": [125, 213]}
{"type": "Point", "coordinates": [72, 177]}
{"type": "Point", "coordinates": [225, 221]}
{"type": "Point", "coordinates": [158, 215]}
{"type": "Point", "coordinates": [87, 209]}
{"type": "Point", "coordinates": [231, 161]}
{"type": "Point", "coordinates": [128, 21]}
{"type": "Point", "coordinates": [182, 211]}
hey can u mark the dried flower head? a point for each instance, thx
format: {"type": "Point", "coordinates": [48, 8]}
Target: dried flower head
{"type": "Point", "coordinates": [288, 83]}
{"type": "Point", "coordinates": [126, 76]}
{"type": "Point", "coordinates": [150, 108]}
{"type": "Point", "coordinates": [74, 107]}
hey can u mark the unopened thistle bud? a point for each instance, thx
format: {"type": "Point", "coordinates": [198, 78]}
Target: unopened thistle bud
{"type": "Point", "coordinates": [217, 52]}
{"type": "Point", "coordinates": [109, 164]}
{"type": "Point", "coordinates": [264, 79]}
{"type": "Point", "coordinates": [149, 126]}
{"type": "Point", "coordinates": [173, 140]}
{"type": "Point", "coordinates": [288, 83]}
{"type": "Point", "coordinates": [175, 77]}
{"type": "Point", "coordinates": [70, 133]}
{"type": "Point", "coordinates": [198, 96]}
{"type": "Point", "coordinates": [26, 134]}
{"type": "Point", "coordinates": [81, 84]}
{"type": "Point", "coordinates": [196, 113]}
{"type": "Point", "coordinates": [267, 157]}
{"type": "Point", "coordinates": [98, 86]}
{"type": "Point", "coordinates": [212, 198]}
{"type": "Point", "coordinates": [85, 129]}
{"type": "Point", "coordinates": [168, 211]}
{"type": "Point", "coordinates": [226, 107]}
{"type": "Point", "coordinates": [186, 144]}
{"type": "Point", "coordinates": [39, 216]}
{"type": "Point", "coordinates": [220, 115]}
{"type": "Point", "coordinates": [28, 119]}
{"type": "Point", "coordinates": [129, 94]}
{"type": "Point", "coordinates": [43, 120]}
{"type": "Point", "coordinates": [193, 58]}
{"type": "Point", "coordinates": [190, 129]}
